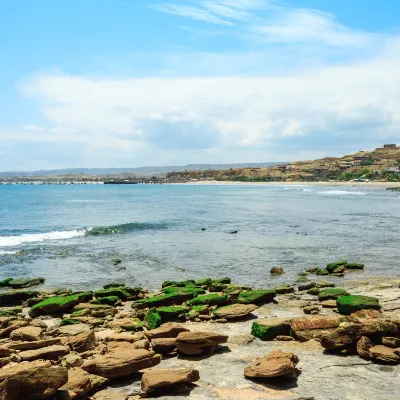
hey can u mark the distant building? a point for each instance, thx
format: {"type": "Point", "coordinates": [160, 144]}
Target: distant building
{"type": "Point", "coordinates": [390, 146]}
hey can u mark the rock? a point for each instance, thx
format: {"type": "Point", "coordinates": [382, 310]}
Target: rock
{"type": "Point", "coordinates": [302, 279]}
{"type": "Point", "coordinates": [178, 283]}
{"type": "Point", "coordinates": [25, 282]}
{"type": "Point", "coordinates": [282, 338]}
{"type": "Point", "coordinates": [354, 266]}
{"type": "Point", "coordinates": [163, 300]}
{"type": "Point", "coordinates": [16, 298]}
{"type": "Point", "coordinates": [313, 291]}
{"type": "Point", "coordinates": [73, 330]}
{"type": "Point", "coordinates": [82, 342]}
{"type": "Point", "coordinates": [190, 290]}
{"type": "Point", "coordinates": [222, 281]}
{"type": "Point", "coordinates": [350, 304]}
{"type": "Point", "coordinates": [80, 382]}
{"type": "Point", "coordinates": [203, 282]}
{"type": "Point", "coordinates": [328, 303]}
{"type": "Point", "coordinates": [152, 320]}
{"type": "Point", "coordinates": [172, 312]}
{"type": "Point", "coordinates": [27, 334]}
{"type": "Point", "coordinates": [339, 270]}
{"type": "Point", "coordinates": [121, 363]}
{"type": "Point", "coordinates": [277, 271]}
{"type": "Point", "coordinates": [209, 299]}
{"type": "Point", "coordinates": [5, 351]}
{"type": "Point", "coordinates": [275, 364]}
{"type": "Point", "coordinates": [111, 395]}
{"type": "Point", "coordinates": [112, 336]}
{"type": "Point", "coordinates": [44, 353]}
{"type": "Point", "coordinates": [363, 346]}
{"type": "Point", "coordinates": [109, 300]}
{"type": "Point", "coordinates": [10, 311]}
{"type": "Point", "coordinates": [166, 331]}
{"type": "Point", "coordinates": [383, 354]}
{"type": "Point", "coordinates": [325, 284]}
{"type": "Point", "coordinates": [119, 292]}
{"type": "Point", "coordinates": [196, 343]}
{"type": "Point", "coordinates": [307, 286]}
{"type": "Point", "coordinates": [365, 314]}
{"type": "Point", "coordinates": [332, 266]}
{"type": "Point", "coordinates": [329, 294]}
{"type": "Point", "coordinates": [351, 333]}
{"type": "Point", "coordinates": [128, 324]}
{"type": "Point", "coordinates": [58, 304]}
{"type": "Point", "coordinates": [30, 381]}
{"type": "Point", "coordinates": [270, 328]}
{"type": "Point", "coordinates": [306, 328]}
{"type": "Point", "coordinates": [257, 297]}
{"type": "Point", "coordinates": [313, 309]}
{"type": "Point", "coordinates": [143, 344]}
{"type": "Point", "coordinates": [391, 342]}
{"type": "Point", "coordinates": [165, 379]}
{"type": "Point", "coordinates": [71, 361]}
{"type": "Point", "coordinates": [35, 345]}
{"type": "Point", "coordinates": [234, 311]}
{"type": "Point", "coordinates": [15, 325]}
{"type": "Point", "coordinates": [321, 271]}
{"type": "Point", "coordinates": [284, 289]}
{"type": "Point", "coordinates": [164, 345]}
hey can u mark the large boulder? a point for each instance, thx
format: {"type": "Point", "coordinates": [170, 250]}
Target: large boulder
{"type": "Point", "coordinates": [331, 294]}
{"type": "Point", "coordinates": [120, 363]}
{"type": "Point", "coordinates": [27, 334]}
{"type": "Point", "coordinates": [257, 296]}
{"type": "Point", "coordinates": [14, 325]}
{"type": "Point", "coordinates": [163, 345]}
{"type": "Point", "coordinates": [82, 342]}
{"type": "Point", "coordinates": [350, 304]}
{"type": "Point", "coordinates": [212, 299]}
{"type": "Point", "coordinates": [234, 311]}
{"type": "Point", "coordinates": [270, 328]}
{"type": "Point", "coordinates": [334, 265]}
{"type": "Point", "coordinates": [165, 379]}
{"type": "Point", "coordinates": [31, 381]}
{"type": "Point", "coordinates": [312, 327]}
{"type": "Point", "coordinates": [16, 298]}
{"type": "Point", "coordinates": [383, 354]}
{"type": "Point", "coordinates": [276, 271]}
{"type": "Point", "coordinates": [166, 331]}
{"type": "Point", "coordinates": [196, 343]}
{"type": "Point", "coordinates": [275, 364]}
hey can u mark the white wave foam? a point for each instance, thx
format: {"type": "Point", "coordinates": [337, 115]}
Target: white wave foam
{"type": "Point", "coordinates": [344, 192]}
{"type": "Point", "coordinates": [2, 253]}
{"type": "Point", "coordinates": [9, 241]}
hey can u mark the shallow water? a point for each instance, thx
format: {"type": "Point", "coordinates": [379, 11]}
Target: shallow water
{"type": "Point", "coordinates": [70, 234]}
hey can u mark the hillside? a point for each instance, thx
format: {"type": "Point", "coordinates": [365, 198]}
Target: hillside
{"type": "Point", "coordinates": [379, 164]}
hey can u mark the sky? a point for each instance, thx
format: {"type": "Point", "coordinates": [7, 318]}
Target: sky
{"type": "Point", "coordinates": [127, 83]}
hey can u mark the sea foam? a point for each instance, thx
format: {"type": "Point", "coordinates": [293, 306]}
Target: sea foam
{"type": "Point", "coordinates": [10, 241]}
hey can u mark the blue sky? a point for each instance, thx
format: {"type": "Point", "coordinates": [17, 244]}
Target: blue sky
{"type": "Point", "coordinates": [112, 83]}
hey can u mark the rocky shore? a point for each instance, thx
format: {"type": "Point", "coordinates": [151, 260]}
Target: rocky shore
{"type": "Point", "coordinates": [205, 339]}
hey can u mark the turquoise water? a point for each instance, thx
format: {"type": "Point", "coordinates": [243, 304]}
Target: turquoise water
{"type": "Point", "coordinates": [70, 234]}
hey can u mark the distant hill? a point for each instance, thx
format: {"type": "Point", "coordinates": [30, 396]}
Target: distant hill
{"type": "Point", "coordinates": [158, 171]}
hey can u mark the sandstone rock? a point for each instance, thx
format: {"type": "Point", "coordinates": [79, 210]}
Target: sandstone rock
{"type": "Point", "coordinates": [306, 328]}
{"type": "Point", "coordinates": [391, 342]}
{"type": "Point", "coordinates": [35, 345]}
{"type": "Point", "coordinates": [166, 331]}
{"type": "Point", "coordinates": [81, 382]}
{"type": "Point", "coordinates": [234, 311]}
{"type": "Point", "coordinates": [15, 325]}
{"type": "Point", "coordinates": [140, 344]}
{"type": "Point", "coordinates": [31, 381]}
{"type": "Point", "coordinates": [275, 364]}
{"type": "Point", "coordinates": [27, 334]}
{"type": "Point", "coordinates": [365, 314]}
{"type": "Point", "coordinates": [284, 289]}
{"type": "Point", "coordinates": [164, 379]}
{"type": "Point", "coordinates": [363, 346]}
{"type": "Point", "coordinates": [332, 294]}
{"type": "Point", "coordinates": [82, 342]}
{"type": "Point", "coordinates": [25, 282]}
{"type": "Point", "coordinates": [112, 336]}
{"type": "Point", "coordinates": [383, 354]}
{"type": "Point", "coordinates": [282, 338]}
{"type": "Point", "coordinates": [73, 330]}
{"type": "Point", "coordinates": [313, 309]}
{"type": "Point", "coordinates": [306, 286]}
{"type": "Point", "coordinates": [71, 361]}
{"type": "Point", "coordinates": [4, 351]}
{"type": "Point", "coordinates": [110, 395]}
{"type": "Point", "coordinates": [328, 304]}
{"type": "Point", "coordinates": [270, 328]}
{"type": "Point", "coordinates": [128, 324]}
{"type": "Point", "coordinates": [277, 271]}
{"type": "Point", "coordinates": [45, 353]}
{"type": "Point", "coordinates": [163, 345]}
{"type": "Point", "coordinates": [121, 363]}
{"type": "Point", "coordinates": [196, 343]}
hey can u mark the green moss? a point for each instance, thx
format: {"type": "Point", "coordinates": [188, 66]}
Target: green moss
{"type": "Point", "coordinates": [329, 294]}
{"type": "Point", "coordinates": [108, 300]}
{"type": "Point", "coordinates": [320, 271]}
{"type": "Point", "coordinates": [16, 298]}
{"type": "Point", "coordinates": [283, 289]}
{"type": "Point", "coordinates": [203, 282]}
{"type": "Point", "coordinates": [201, 309]}
{"type": "Point", "coordinates": [25, 282]}
{"type": "Point", "coordinates": [178, 284]}
{"type": "Point", "coordinates": [313, 291]}
{"type": "Point", "coordinates": [352, 303]}
{"type": "Point", "coordinates": [80, 313]}
{"type": "Point", "coordinates": [113, 285]}
{"type": "Point", "coordinates": [332, 266]}
{"type": "Point", "coordinates": [209, 299]}
{"type": "Point", "coordinates": [257, 296]}
{"type": "Point", "coordinates": [222, 281]}
{"type": "Point", "coordinates": [119, 292]}
{"type": "Point", "coordinates": [302, 279]}
{"type": "Point", "coordinates": [173, 312]}
{"type": "Point", "coordinates": [265, 331]}
{"type": "Point", "coordinates": [216, 288]}
{"type": "Point", "coordinates": [116, 261]}
{"type": "Point", "coordinates": [69, 321]}
{"type": "Point", "coordinates": [304, 273]}
{"type": "Point", "coordinates": [188, 289]}
{"type": "Point", "coordinates": [163, 300]}
{"type": "Point", "coordinates": [233, 290]}
{"type": "Point", "coordinates": [152, 319]}
{"type": "Point", "coordinates": [10, 312]}
{"type": "Point", "coordinates": [58, 303]}
{"type": "Point", "coordinates": [5, 282]}
{"type": "Point", "coordinates": [134, 325]}
{"type": "Point", "coordinates": [354, 266]}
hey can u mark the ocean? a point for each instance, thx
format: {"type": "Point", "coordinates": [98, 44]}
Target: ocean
{"type": "Point", "coordinates": [70, 234]}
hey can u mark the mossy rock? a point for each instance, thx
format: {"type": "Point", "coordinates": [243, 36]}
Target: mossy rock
{"type": "Point", "coordinates": [5, 282]}
{"type": "Point", "coordinates": [257, 296]}
{"type": "Point", "coordinates": [188, 289]}
{"type": "Point", "coordinates": [152, 319]}
{"type": "Point", "coordinates": [212, 299]}
{"type": "Point", "coordinates": [352, 303]}
{"type": "Point", "coordinates": [284, 289]}
{"type": "Point", "coordinates": [222, 281]}
{"type": "Point", "coordinates": [302, 279]}
{"type": "Point", "coordinates": [10, 312]}
{"type": "Point", "coordinates": [119, 292]}
{"type": "Point", "coordinates": [270, 328]}
{"type": "Point", "coordinates": [57, 304]}
{"type": "Point", "coordinates": [81, 313]}
{"type": "Point", "coordinates": [332, 266]}
{"type": "Point", "coordinates": [16, 298]}
{"type": "Point", "coordinates": [22, 283]}
{"type": "Point", "coordinates": [320, 271]}
{"type": "Point", "coordinates": [325, 284]}
{"type": "Point", "coordinates": [163, 300]}
{"type": "Point", "coordinates": [69, 321]}
{"type": "Point", "coordinates": [108, 300]}
{"type": "Point", "coordinates": [306, 286]}
{"type": "Point", "coordinates": [313, 291]}
{"type": "Point", "coordinates": [304, 273]}
{"type": "Point", "coordinates": [233, 290]}
{"type": "Point", "coordinates": [170, 313]}
{"type": "Point", "coordinates": [203, 282]}
{"type": "Point", "coordinates": [354, 266]}
{"type": "Point", "coordinates": [331, 294]}
{"type": "Point", "coordinates": [113, 285]}
{"type": "Point", "coordinates": [215, 288]}
{"type": "Point", "coordinates": [178, 283]}
{"type": "Point", "coordinates": [116, 261]}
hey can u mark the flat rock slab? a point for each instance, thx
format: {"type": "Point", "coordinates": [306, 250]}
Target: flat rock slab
{"type": "Point", "coordinates": [27, 333]}
{"type": "Point", "coordinates": [44, 353]}
{"type": "Point", "coordinates": [196, 343]}
{"type": "Point", "coordinates": [234, 311]}
{"type": "Point", "coordinates": [35, 345]}
{"type": "Point", "coordinates": [166, 331]}
{"type": "Point", "coordinates": [164, 379]}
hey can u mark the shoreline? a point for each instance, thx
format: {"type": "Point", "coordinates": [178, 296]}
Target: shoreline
{"type": "Point", "coordinates": [293, 183]}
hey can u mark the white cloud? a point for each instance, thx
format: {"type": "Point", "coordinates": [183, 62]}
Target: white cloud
{"type": "Point", "coordinates": [33, 127]}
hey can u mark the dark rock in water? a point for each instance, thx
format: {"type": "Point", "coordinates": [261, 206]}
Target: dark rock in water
{"type": "Point", "coordinates": [332, 266]}
{"type": "Point", "coordinates": [284, 289]}
{"type": "Point", "coordinates": [339, 270]}
{"type": "Point", "coordinates": [307, 286]}
{"type": "Point", "coordinates": [22, 283]}
{"type": "Point", "coordinates": [350, 304]}
{"type": "Point", "coordinates": [5, 282]}
{"type": "Point", "coordinates": [354, 266]}
{"type": "Point", "coordinates": [203, 229]}
{"type": "Point", "coordinates": [16, 298]}
{"type": "Point", "coordinates": [302, 279]}
{"type": "Point", "coordinates": [276, 271]}
{"type": "Point", "coordinates": [116, 261]}
{"type": "Point", "coordinates": [320, 271]}
{"type": "Point", "coordinates": [233, 232]}
{"type": "Point", "coordinates": [186, 283]}
{"type": "Point", "coordinates": [113, 285]}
